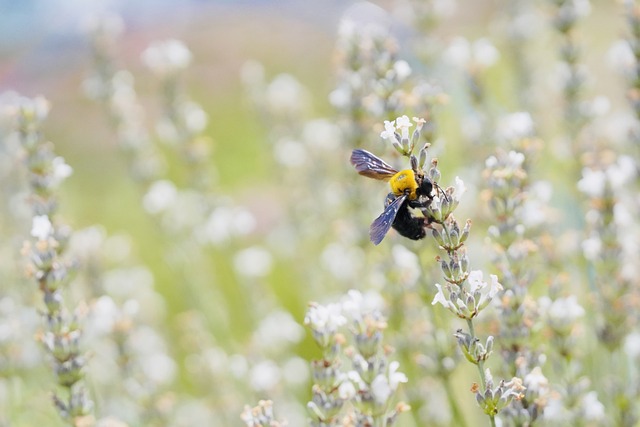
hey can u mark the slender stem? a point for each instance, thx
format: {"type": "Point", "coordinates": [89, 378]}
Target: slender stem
{"type": "Point", "coordinates": [480, 366]}
{"type": "Point", "coordinates": [458, 416]}
{"type": "Point", "coordinates": [446, 233]}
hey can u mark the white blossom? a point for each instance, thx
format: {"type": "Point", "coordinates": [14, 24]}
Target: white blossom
{"type": "Point", "coordinates": [632, 345]}
{"type": "Point", "coordinates": [485, 53]}
{"type": "Point", "coordinates": [460, 188]}
{"type": "Point", "coordinates": [403, 124]}
{"type": "Point", "coordinates": [515, 126]}
{"type": "Point", "coordinates": [487, 291]}
{"type": "Point", "coordinates": [161, 195]}
{"type": "Point", "coordinates": [346, 390]}
{"type": "Point", "coordinates": [620, 57]}
{"type": "Point", "coordinates": [278, 329]}
{"type": "Point", "coordinates": [591, 247]}
{"type": "Point", "coordinates": [253, 262]}
{"type": "Point", "coordinates": [41, 227]}
{"type": "Point", "coordinates": [592, 408]}
{"type": "Point", "coordinates": [60, 170]}
{"type": "Point", "coordinates": [264, 375]}
{"type": "Point", "coordinates": [383, 386]}
{"type": "Point", "coordinates": [168, 57]}
{"type": "Point", "coordinates": [325, 319]}
{"type": "Point", "coordinates": [356, 306]}
{"type": "Point", "coordinates": [562, 312]}
{"type": "Point", "coordinates": [402, 69]}
{"type": "Point", "coordinates": [592, 183]}
{"type": "Point", "coordinates": [536, 382]}
{"type": "Point", "coordinates": [389, 130]}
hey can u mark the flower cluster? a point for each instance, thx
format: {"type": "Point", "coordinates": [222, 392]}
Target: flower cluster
{"type": "Point", "coordinates": [114, 88]}
{"type": "Point", "coordinates": [371, 383]}
{"type": "Point", "coordinates": [573, 74]}
{"type": "Point", "coordinates": [510, 198]}
{"type": "Point", "coordinates": [47, 265]}
{"type": "Point", "coordinates": [261, 415]}
{"type": "Point", "coordinates": [373, 80]}
{"type": "Point", "coordinates": [466, 303]}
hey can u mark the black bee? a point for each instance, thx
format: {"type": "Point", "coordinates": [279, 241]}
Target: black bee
{"type": "Point", "coordinates": [410, 193]}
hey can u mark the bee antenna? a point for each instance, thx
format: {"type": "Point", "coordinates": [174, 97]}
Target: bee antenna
{"type": "Point", "coordinates": [442, 191]}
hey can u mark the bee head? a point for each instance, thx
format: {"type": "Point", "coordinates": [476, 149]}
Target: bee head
{"type": "Point", "coordinates": [425, 187]}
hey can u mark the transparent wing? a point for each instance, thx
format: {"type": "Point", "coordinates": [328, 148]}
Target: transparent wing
{"type": "Point", "coordinates": [371, 166]}
{"type": "Point", "coordinates": [381, 225]}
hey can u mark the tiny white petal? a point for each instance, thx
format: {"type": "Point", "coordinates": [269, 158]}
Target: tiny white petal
{"type": "Point", "coordinates": [41, 227]}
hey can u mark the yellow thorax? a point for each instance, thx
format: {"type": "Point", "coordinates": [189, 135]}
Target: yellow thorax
{"type": "Point", "coordinates": [404, 182]}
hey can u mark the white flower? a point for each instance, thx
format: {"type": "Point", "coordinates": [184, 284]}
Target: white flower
{"type": "Point", "coordinates": [461, 188]}
{"type": "Point", "coordinates": [159, 368]}
{"type": "Point", "coordinates": [592, 183]}
{"type": "Point", "coordinates": [195, 118]}
{"type": "Point", "coordinates": [41, 227]}
{"type": "Point", "coordinates": [357, 380]}
{"type": "Point", "coordinates": [325, 319]}
{"type": "Point", "coordinates": [384, 385]}
{"type": "Point", "coordinates": [395, 377]}
{"type": "Point", "coordinates": [620, 57]}
{"type": "Point", "coordinates": [60, 170]}
{"type": "Point", "coordinates": [622, 172]}
{"type": "Point", "coordinates": [104, 314]}
{"type": "Point", "coordinates": [290, 153]}
{"type": "Point", "coordinates": [340, 98]}
{"type": "Point", "coordinates": [515, 126]}
{"type": "Point", "coordinates": [161, 195]}
{"type": "Point", "coordinates": [440, 298]}
{"type": "Point", "coordinates": [380, 389]}
{"type": "Point", "coordinates": [555, 411]}
{"type": "Point", "coordinates": [458, 53]}
{"type": "Point", "coordinates": [253, 262]}
{"type": "Point", "coordinates": [632, 345]}
{"type": "Point", "coordinates": [536, 382]}
{"type": "Point", "coordinates": [277, 330]}
{"type": "Point", "coordinates": [285, 95]}
{"type": "Point", "coordinates": [402, 69]}
{"type": "Point", "coordinates": [226, 222]}
{"type": "Point", "coordinates": [403, 124]}
{"type": "Point", "coordinates": [346, 390]}
{"type": "Point", "coordinates": [563, 312]}
{"type": "Point", "coordinates": [487, 291]}
{"type": "Point", "coordinates": [592, 408]}
{"type": "Point", "coordinates": [357, 306]}
{"type": "Point", "coordinates": [168, 57]}
{"type": "Point", "coordinates": [264, 375]}
{"type": "Point", "coordinates": [485, 53]}
{"type": "Point", "coordinates": [592, 247]}
{"type": "Point", "coordinates": [37, 108]}
{"type": "Point", "coordinates": [389, 130]}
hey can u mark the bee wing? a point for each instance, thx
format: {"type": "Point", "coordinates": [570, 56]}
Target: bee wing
{"type": "Point", "coordinates": [381, 225]}
{"type": "Point", "coordinates": [371, 166]}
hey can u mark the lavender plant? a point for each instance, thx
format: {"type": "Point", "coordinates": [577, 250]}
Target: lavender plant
{"type": "Point", "coordinates": [50, 269]}
{"type": "Point", "coordinates": [261, 415]}
{"type": "Point", "coordinates": [373, 380]}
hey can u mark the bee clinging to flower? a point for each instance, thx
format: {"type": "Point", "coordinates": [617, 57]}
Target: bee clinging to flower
{"type": "Point", "coordinates": [408, 205]}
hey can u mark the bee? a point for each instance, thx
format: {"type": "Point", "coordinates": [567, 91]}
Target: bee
{"type": "Point", "coordinates": [411, 191]}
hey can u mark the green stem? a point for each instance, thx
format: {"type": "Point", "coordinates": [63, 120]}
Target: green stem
{"type": "Point", "coordinates": [480, 366]}
{"type": "Point", "coordinates": [458, 416]}
{"type": "Point", "coordinates": [446, 232]}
